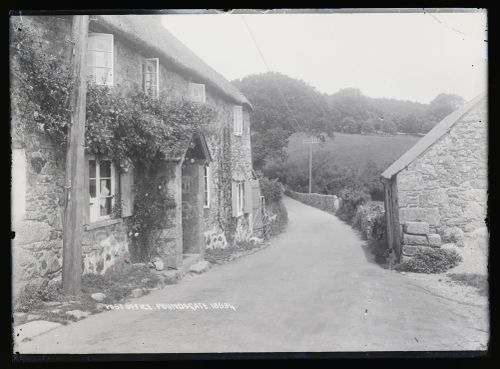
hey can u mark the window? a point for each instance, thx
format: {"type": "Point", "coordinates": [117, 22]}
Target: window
{"type": "Point", "coordinates": [197, 92]}
{"type": "Point", "coordinates": [101, 188]}
{"type": "Point", "coordinates": [238, 197]}
{"type": "Point", "coordinates": [238, 120]}
{"type": "Point", "coordinates": [206, 177]}
{"type": "Point", "coordinates": [100, 58]}
{"type": "Point", "coordinates": [151, 80]}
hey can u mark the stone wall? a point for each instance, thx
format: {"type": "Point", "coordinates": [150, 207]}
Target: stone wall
{"type": "Point", "coordinates": [442, 195]}
{"type": "Point", "coordinates": [105, 247]}
{"type": "Point", "coordinates": [330, 203]}
{"type": "Point", "coordinates": [37, 248]}
{"type": "Point", "coordinates": [369, 217]}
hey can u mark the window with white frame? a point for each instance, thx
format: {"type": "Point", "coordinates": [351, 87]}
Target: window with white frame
{"type": "Point", "coordinates": [101, 188]}
{"type": "Point", "coordinates": [151, 77]}
{"type": "Point", "coordinates": [206, 177]}
{"type": "Point", "coordinates": [238, 120]}
{"type": "Point", "coordinates": [197, 92]}
{"type": "Point", "coordinates": [240, 197]}
{"type": "Point", "coordinates": [100, 50]}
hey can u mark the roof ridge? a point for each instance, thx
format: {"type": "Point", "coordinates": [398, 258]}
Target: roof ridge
{"type": "Point", "coordinates": [137, 30]}
{"type": "Point", "coordinates": [431, 137]}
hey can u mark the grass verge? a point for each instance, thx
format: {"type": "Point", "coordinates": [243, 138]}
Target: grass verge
{"type": "Point", "coordinates": [478, 281]}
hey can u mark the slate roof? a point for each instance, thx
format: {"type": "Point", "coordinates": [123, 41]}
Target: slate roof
{"type": "Point", "coordinates": [431, 137]}
{"type": "Point", "coordinates": [147, 31]}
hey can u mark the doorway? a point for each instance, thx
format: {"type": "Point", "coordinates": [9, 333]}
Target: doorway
{"type": "Point", "coordinates": [193, 192]}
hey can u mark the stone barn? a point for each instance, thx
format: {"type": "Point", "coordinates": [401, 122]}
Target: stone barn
{"type": "Point", "coordinates": [436, 193]}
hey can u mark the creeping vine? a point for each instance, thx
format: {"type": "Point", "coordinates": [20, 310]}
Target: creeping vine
{"type": "Point", "coordinates": [130, 128]}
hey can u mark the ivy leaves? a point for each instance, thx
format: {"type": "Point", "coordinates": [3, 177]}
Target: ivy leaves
{"type": "Point", "coordinates": [122, 126]}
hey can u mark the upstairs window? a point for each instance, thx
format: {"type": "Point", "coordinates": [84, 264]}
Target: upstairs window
{"type": "Point", "coordinates": [150, 78]}
{"type": "Point", "coordinates": [197, 92]}
{"type": "Point", "coordinates": [100, 58]}
{"type": "Point", "coordinates": [238, 120]}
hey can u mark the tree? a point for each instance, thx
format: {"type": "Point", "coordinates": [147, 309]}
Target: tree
{"type": "Point", "coordinates": [410, 124]}
{"type": "Point", "coordinates": [282, 106]}
{"type": "Point", "coordinates": [350, 125]}
{"type": "Point", "coordinates": [443, 105]}
{"type": "Point", "coordinates": [370, 177]}
{"type": "Point", "coordinates": [388, 126]}
{"type": "Point", "coordinates": [428, 124]}
{"type": "Point", "coordinates": [368, 126]}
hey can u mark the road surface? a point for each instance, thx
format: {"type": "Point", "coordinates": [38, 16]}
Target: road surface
{"type": "Point", "coordinates": [313, 289]}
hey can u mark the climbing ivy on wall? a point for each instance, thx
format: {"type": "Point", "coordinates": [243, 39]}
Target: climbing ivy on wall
{"type": "Point", "coordinates": [128, 128]}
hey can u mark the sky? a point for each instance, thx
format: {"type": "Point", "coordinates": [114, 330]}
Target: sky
{"type": "Point", "coordinates": [409, 56]}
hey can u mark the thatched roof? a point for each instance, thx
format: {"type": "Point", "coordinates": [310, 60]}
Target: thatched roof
{"type": "Point", "coordinates": [147, 31]}
{"type": "Point", "coordinates": [430, 138]}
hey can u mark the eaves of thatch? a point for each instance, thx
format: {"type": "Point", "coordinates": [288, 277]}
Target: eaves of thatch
{"type": "Point", "coordinates": [147, 32]}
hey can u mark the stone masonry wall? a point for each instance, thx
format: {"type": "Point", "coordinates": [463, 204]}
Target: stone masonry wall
{"type": "Point", "coordinates": [442, 194]}
{"type": "Point", "coordinates": [369, 218]}
{"type": "Point", "coordinates": [37, 249]}
{"type": "Point", "coordinates": [231, 154]}
{"type": "Point", "coordinates": [330, 203]}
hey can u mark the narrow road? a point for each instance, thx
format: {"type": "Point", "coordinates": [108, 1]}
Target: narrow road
{"type": "Point", "coordinates": [312, 290]}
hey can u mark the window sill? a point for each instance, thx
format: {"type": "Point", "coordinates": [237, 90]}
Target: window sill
{"type": "Point", "coordinates": [102, 223]}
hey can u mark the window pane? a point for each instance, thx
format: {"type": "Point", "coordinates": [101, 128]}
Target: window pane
{"type": "Point", "coordinates": [105, 189]}
{"type": "Point", "coordinates": [100, 58]}
{"type": "Point", "coordinates": [105, 206]}
{"type": "Point", "coordinates": [92, 189]}
{"type": "Point", "coordinates": [102, 42]}
{"type": "Point", "coordinates": [105, 168]}
{"type": "Point", "coordinates": [91, 58]}
{"type": "Point", "coordinates": [100, 75]}
{"type": "Point", "coordinates": [91, 168]}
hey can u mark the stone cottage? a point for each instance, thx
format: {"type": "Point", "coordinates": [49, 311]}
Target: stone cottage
{"type": "Point", "coordinates": [211, 179]}
{"type": "Point", "coordinates": [436, 193]}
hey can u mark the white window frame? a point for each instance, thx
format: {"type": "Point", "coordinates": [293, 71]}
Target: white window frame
{"type": "Point", "coordinates": [238, 120]}
{"type": "Point", "coordinates": [157, 73]}
{"type": "Point", "coordinates": [90, 68]}
{"type": "Point", "coordinates": [197, 92]}
{"type": "Point", "coordinates": [95, 211]}
{"type": "Point", "coordinates": [240, 197]}
{"type": "Point", "coordinates": [207, 180]}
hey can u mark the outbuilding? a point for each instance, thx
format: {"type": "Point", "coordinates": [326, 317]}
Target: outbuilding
{"type": "Point", "coordinates": [436, 193]}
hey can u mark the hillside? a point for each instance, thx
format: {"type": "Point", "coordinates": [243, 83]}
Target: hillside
{"type": "Point", "coordinates": [353, 150]}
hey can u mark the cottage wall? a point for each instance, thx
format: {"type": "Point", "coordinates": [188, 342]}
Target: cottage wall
{"type": "Point", "coordinates": [37, 248]}
{"type": "Point", "coordinates": [442, 195]}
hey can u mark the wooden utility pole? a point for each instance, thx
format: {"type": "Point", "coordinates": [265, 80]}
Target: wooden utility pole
{"type": "Point", "coordinates": [75, 163]}
{"type": "Point", "coordinates": [311, 141]}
